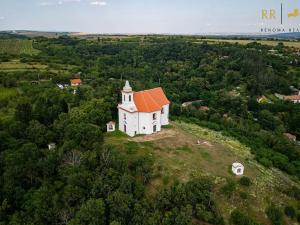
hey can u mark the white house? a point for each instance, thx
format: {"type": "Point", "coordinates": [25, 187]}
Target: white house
{"type": "Point", "coordinates": [51, 146]}
{"type": "Point", "coordinates": [111, 126]}
{"type": "Point", "coordinates": [237, 168]}
{"type": "Point", "coordinates": [75, 82]}
{"type": "Point", "coordinates": [143, 112]}
{"type": "Point", "coordinates": [292, 98]}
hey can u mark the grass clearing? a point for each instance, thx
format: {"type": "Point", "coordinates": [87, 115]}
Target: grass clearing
{"type": "Point", "coordinates": [188, 150]}
{"type": "Point", "coordinates": [17, 47]}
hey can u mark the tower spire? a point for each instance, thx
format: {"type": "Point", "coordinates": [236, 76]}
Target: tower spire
{"type": "Point", "coordinates": [127, 87]}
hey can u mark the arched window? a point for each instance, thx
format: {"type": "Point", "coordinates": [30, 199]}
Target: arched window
{"type": "Point", "coordinates": [130, 98]}
{"type": "Point", "coordinates": [154, 116]}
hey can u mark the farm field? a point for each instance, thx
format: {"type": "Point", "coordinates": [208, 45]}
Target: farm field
{"type": "Point", "coordinates": [295, 44]}
{"type": "Point", "coordinates": [17, 47]}
{"type": "Point", "coordinates": [178, 157]}
{"type": "Point", "coordinates": [16, 65]}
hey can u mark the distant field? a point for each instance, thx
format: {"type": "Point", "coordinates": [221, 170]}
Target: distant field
{"type": "Point", "coordinates": [16, 65]}
{"type": "Point", "coordinates": [17, 47]}
{"type": "Point", "coordinates": [265, 42]}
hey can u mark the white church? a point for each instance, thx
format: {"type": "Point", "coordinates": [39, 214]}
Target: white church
{"type": "Point", "coordinates": [143, 112]}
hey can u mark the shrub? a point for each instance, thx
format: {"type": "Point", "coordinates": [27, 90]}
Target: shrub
{"type": "Point", "coordinates": [238, 218]}
{"type": "Point", "coordinates": [275, 215]}
{"type": "Point", "coordinates": [290, 211]}
{"type": "Point", "coordinates": [243, 195]}
{"type": "Point", "coordinates": [229, 188]}
{"type": "Point", "coordinates": [245, 181]}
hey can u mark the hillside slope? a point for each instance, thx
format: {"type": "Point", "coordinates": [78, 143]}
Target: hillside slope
{"type": "Point", "coordinates": [178, 157]}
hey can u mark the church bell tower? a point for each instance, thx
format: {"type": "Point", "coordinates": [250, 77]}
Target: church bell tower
{"type": "Point", "coordinates": [127, 94]}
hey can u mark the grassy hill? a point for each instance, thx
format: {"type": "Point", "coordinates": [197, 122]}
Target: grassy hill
{"type": "Point", "coordinates": [178, 157]}
{"type": "Point", "coordinates": [17, 47]}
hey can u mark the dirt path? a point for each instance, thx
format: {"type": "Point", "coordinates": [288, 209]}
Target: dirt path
{"type": "Point", "coordinates": [164, 133]}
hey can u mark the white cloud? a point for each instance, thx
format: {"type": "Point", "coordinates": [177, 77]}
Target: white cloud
{"type": "Point", "coordinates": [45, 3]}
{"type": "Point", "coordinates": [2, 18]}
{"type": "Point", "coordinates": [60, 2]}
{"type": "Point", "coordinates": [99, 3]}
{"type": "Point", "coordinates": [63, 2]}
{"type": "Point", "coordinates": [67, 1]}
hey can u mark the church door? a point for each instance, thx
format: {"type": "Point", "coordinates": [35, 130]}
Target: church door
{"type": "Point", "coordinates": [154, 128]}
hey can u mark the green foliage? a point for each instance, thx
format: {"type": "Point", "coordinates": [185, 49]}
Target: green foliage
{"type": "Point", "coordinates": [229, 188]}
{"type": "Point", "coordinates": [245, 181]}
{"type": "Point", "coordinates": [92, 212]}
{"type": "Point", "coordinates": [275, 215]}
{"type": "Point", "coordinates": [85, 136]}
{"type": "Point", "coordinates": [239, 218]}
{"type": "Point", "coordinates": [23, 112]}
{"type": "Point", "coordinates": [290, 211]}
{"type": "Point", "coordinates": [169, 126]}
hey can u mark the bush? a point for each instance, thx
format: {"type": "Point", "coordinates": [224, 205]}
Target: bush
{"type": "Point", "coordinates": [243, 195]}
{"type": "Point", "coordinates": [229, 188]}
{"type": "Point", "coordinates": [275, 215]}
{"type": "Point", "coordinates": [298, 218]}
{"type": "Point", "coordinates": [238, 218]}
{"type": "Point", "coordinates": [290, 211]}
{"type": "Point", "coordinates": [245, 181]}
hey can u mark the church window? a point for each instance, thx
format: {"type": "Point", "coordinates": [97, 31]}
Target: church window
{"type": "Point", "coordinates": [154, 116]}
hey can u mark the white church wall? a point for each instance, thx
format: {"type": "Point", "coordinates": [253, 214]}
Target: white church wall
{"type": "Point", "coordinates": [130, 121]}
{"type": "Point", "coordinates": [146, 122]}
{"type": "Point", "coordinates": [165, 115]}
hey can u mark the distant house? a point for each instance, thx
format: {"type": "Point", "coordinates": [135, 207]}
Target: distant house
{"type": "Point", "coordinates": [51, 146]}
{"type": "Point", "coordinates": [295, 90]}
{"type": "Point", "coordinates": [292, 98]}
{"type": "Point", "coordinates": [237, 168]}
{"type": "Point", "coordinates": [61, 86]}
{"type": "Point", "coordinates": [185, 104]}
{"type": "Point", "coordinates": [281, 97]}
{"type": "Point", "coordinates": [75, 82]}
{"type": "Point", "coordinates": [291, 137]}
{"type": "Point", "coordinates": [34, 82]}
{"type": "Point", "coordinates": [204, 108]}
{"type": "Point", "coordinates": [263, 99]}
{"type": "Point", "coordinates": [111, 126]}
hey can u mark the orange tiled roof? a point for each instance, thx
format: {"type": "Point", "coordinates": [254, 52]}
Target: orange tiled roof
{"type": "Point", "coordinates": [150, 100]}
{"type": "Point", "coordinates": [292, 97]}
{"type": "Point", "coordinates": [76, 81]}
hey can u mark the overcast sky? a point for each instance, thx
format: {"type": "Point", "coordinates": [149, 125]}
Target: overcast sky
{"type": "Point", "coordinates": [141, 16]}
